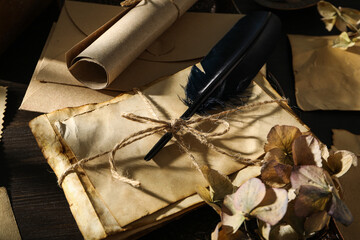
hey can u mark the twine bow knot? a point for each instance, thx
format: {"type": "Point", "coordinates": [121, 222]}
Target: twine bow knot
{"type": "Point", "coordinates": [178, 127]}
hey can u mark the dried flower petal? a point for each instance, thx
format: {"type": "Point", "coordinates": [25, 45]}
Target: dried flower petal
{"type": "Point", "coordinates": [326, 9]}
{"type": "Point", "coordinates": [340, 211]}
{"type": "Point", "coordinates": [283, 232]}
{"type": "Point", "coordinates": [245, 174]}
{"type": "Point", "coordinates": [340, 24]}
{"type": "Point", "coordinates": [279, 155]}
{"type": "Point", "coordinates": [225, 233]}
{"type": "Point", "coordinates": [340, 162]}
{"type": "Point", "coordinates": [329, 13]}
{"type": "Point", "coordinates": [231, 216]}
{"type": "Point", "coordinates": [309, 175]}
{"type": "Point", "coordinates": [239, 204]}
{"type": "Point", "coordinates": [265, 229]}
{"type": "Point", "coordinates": [343, 41]}
{"type": "Point", "coordinates": [249, 195]}
{"type": "Point", "coordinates": [316, 222]}
{"type": "Point", "coordinates": [281, 137]}
{"type": "Point", "coordinates": [273, 207]}
{"type": "Point", "coordinates": [276, 174]}
{"type": "Point", "coordinates": [311, 199]}
{"type": "Point", "coordinates": [352, 17]}
{"type": "Point", "coordinates": [306, 151]}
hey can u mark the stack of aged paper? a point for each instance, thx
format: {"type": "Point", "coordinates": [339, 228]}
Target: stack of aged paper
{"type": "Point", "coordinates": [103, 206]}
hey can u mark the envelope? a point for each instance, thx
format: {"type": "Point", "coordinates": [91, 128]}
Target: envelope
{"type": "Point", "coordinates": [52, 86]}
{"type": "Point", "coordinates": [326, 78]}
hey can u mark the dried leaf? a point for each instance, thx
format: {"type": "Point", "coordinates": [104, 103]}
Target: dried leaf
{"type": "Point", "coordinates": [351, 17]}
{"type": "Point", "coordinates": [276, 174]}
{"type": "Point", "coordinates": [316, 222]}
{"type": "Point", "coordinates": [343, 41]}
{"type": "Point", "coordinates": [220, 184]}
{"type": "Point", "coordinates": [311, 199]}
{"type": "Point", "coordinates": [306, 151]}
{"type": "Point", "coordinates": [340, 24]}
{"type": "Point", "coordinates": [329, 23]}
{"type": "Point", "coordinates": [326, 9]}
{"type": "Point", "coordinates": [340, 211]}
{"type": "Point", "coordinates": [273, 207]}
{"type": "Point", "coordinates": [329, 13]}
{"type": "Point", "coordinates": [205, 195]}
{"type": "Point", "coordinates": [340, 162]}
{"type": "Point", "coordinates": [282, 137]}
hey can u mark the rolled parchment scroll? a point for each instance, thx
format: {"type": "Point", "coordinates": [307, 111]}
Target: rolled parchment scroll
{"type": "Point", "coordinates": [100, 58]}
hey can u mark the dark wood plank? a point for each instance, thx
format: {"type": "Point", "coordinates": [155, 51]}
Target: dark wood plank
{"type": "Point", "coordinates": [40, 207]}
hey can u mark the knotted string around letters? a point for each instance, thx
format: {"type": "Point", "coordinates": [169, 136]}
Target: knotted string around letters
{"type": "Point", "coordinates": [178, 127]}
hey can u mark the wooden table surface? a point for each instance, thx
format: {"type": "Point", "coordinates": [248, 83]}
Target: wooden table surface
{"type": "Point", "coordinates": [39, 205]}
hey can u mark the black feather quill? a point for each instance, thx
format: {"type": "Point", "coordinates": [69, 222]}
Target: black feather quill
{"type": "Point", "coordinates": [229, 67]}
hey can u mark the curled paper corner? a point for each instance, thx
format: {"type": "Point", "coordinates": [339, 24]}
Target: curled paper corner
{"type": "Point", "coordinates": [3, 91]}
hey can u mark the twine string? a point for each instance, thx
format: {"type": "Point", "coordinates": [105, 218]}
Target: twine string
{"type": "Point", "coordinates": [132, 3]}
{"type": "Point", "coordinates": [178, 127]}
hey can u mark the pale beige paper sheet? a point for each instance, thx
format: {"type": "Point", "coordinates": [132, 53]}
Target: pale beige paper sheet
{"type": "Point", "coordinates": [8, 226]}
{"type": "Point", "coordinates": [167, 179]}
{"type": "Point", "coordinates": [2, 107]}
{"type": "Point", "coordinates": [345, 140]}
{"type": "Point", "coordinates": [53, 87]}
{"type": "Point", "coordinates": [101, 62]}
{"type": "Point", "coordinates": [326, 78]}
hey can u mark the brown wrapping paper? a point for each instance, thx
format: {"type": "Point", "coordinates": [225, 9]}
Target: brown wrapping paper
{"type": "Point", "coordinates": [101, 62]}
{"type": "Point", "coordinates": [52, 86]}
{"type": "Point", "coordinates": [345, 140]}
{"type": "Point", "coordinates": [326, 78]}
{"type": "Point", "coordinates": [103, 206]}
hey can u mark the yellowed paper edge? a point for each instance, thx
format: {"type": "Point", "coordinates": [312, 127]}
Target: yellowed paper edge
{"type": "Point", "coordinates": [80, 205]}
{"type": "Point", "coordinates": [8, 226]}
{"type": "Point", "coordinates": [3, 91]}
